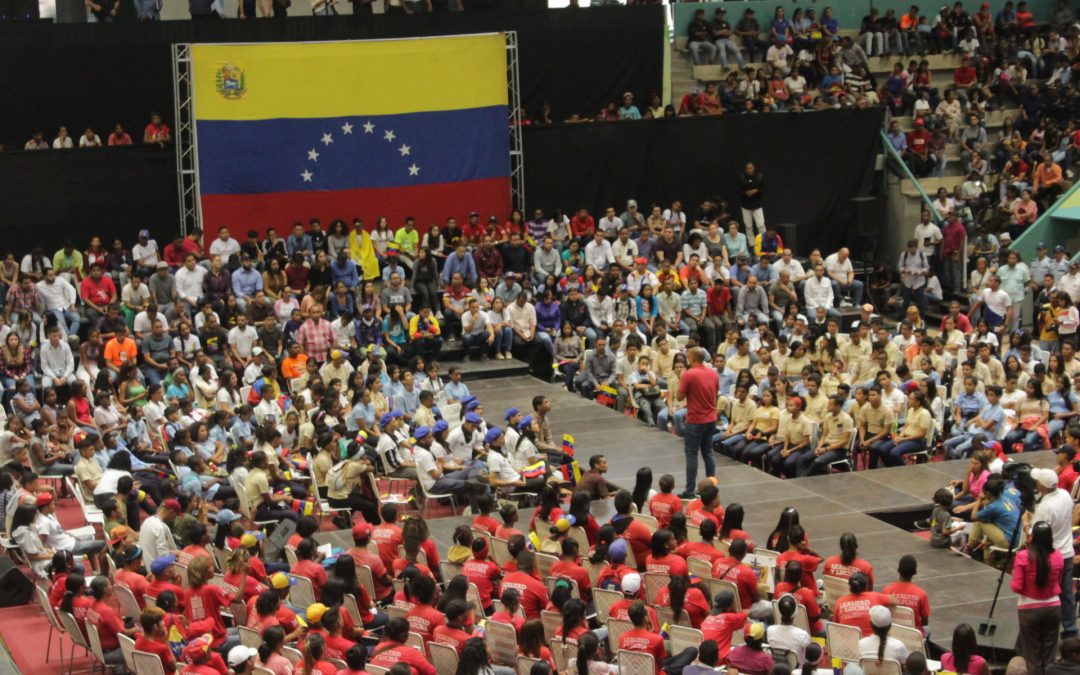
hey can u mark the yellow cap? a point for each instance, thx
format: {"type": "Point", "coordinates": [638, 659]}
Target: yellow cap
{"type": "Point", "coordinates": [315, 612]}
{"type": "Point", "coordinates": [248, 540]}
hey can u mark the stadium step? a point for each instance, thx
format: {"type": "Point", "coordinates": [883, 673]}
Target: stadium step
{"type": "Point", "coordinates": [453, 355]}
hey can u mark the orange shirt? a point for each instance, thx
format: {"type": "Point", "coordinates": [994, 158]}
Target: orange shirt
{"type": "Point", "coordinates": [119, 352]}
{"type": "Point", "coordinates": [293, 368]}
{"type": "Point", "coordinates": [1045, 176]}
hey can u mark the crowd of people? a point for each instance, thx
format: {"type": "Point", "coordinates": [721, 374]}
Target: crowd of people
{"type": "Point", "coordinates": [156, 132]}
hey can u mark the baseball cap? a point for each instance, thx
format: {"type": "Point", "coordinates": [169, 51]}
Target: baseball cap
{"type": "Point", "coordinates": [118, 534]}
{"type": "Point", "coordinates": [172, 505]}
{"type": "Point", "coordinates": [162, 265]}
{"type": "Point", "coordinates": [1040, 246]}
{"type": "Point", "coordinates": [641, 261]}
{"type": "Point", "coordinates": [757, 630]}
{"type": "Point", "coordinates": [421, 432]}
{"type": "Point", "coordinates": [440, 426]}
{"type": "Point", "coordinates": [880, 616]}
{"type": "Point", "coordinates": [473, 418]}
{"type": "Point", "coordinates": [362, 531]}
{"type": "Point", "coordinates": [525, 422]}
{"type": "Point", "coordinates": [1048, 478]}
{"type": "Point", "coordinates": [239, 654]}
{"type": "Point", "coordinates": [631, 583]}
{"type": "Point", "coordinates": [43, 499]}
{"type": "Point", "coordinates": [335, 354]}
{"type": "Point", "coordinates": [144, 234]}
{"type": "Point", "coordinates": [163, 563]}
{"type": "Point", "coordinates": [257, 350]}
{"type": "Point", "coordinates": [630, 203]}
{"type": "Point", "coordinates": [315, 612]}
{"type": "Point", "coordinates": [1059, 249]}
{"type": "Point", "coordinates": [617, 551]}
{"type": "Point", "coordinates": [492, 435]}
{"type": "Point", "coordinates": [248, 540]}
{"type": "Point", "coordinates": [280, 581]}
{"type": "Point", "coordinates": [226, 516]}
{"type": "Point", "coordinates": [510, 412]}
{"type": "Point", "coordinates": [197, 649]}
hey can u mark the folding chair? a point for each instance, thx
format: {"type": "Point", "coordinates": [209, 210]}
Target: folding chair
{"type": "Point", "coordinates": [501, 641]}
{"type": "Point", "coordinates": [374, 670]}
{"type": "Point", "coordinates": [544, 562]}
{"type": "Point", "coordinates": [903, 616]}
{"type": "Point", "coordinates": [667, 616]}
{"type": "Point", "coordinates": [367, 580]}
{"type": "Point", "coordinates": [416, 641]}
{"type": "Point", "coordinates": [616, 627]}
{"type": "Point", "coordinates": [594, 569]}
{"type": "Point", "coordinates": [636, 663]}
{"type": "Point", "coordinates": [71, 627]}
{"type": "Point", "coordinates": [94, 639]}
{"type": "Point", "coordinates": [245, 509]}
{"type": "Point", "coordinates": [127, 648]}
{"type": "Point", "coordinates": [781, 655]}
{"type": "Point", "coordinates": [603, 599]}
{"type": "Point", "coordinates": [249, 637]}
{"type": "Point", "coordinates": [886, 667]}
{"type": "Point", "coordinates": [683, 637]}
{"type": "Point", "coordinates": [843, 642]}
{"type": "Point", "coordinates": [525, 664]}
{"type": "Point", "coordinates": [302, 594]}
{"type": "Point", "coordinates": [293, 654]}
{"type": "Point", "coordinates": [911, 637]}
{"type": "Point", "coordinates": [558, 652]}
{"type": "Point", "coordinates": [551, 581]}
{"type": "Point", "coordinates": [833, 588]}
{"type": "Point", "coordinates": [693, 534]}
{"type": "Point", "coordinates": [499, 552]}
{"type": "Point", "coordinates": [802, 620]}
{"type": "Point", "coordinates": [717, 585]}
{"type": "Point", "coordinates": [449, 570]}
{"type": "Point", "coordinates": [324, 504]}
{"type": "Point", "coordinates": [444, 658]}
{"type": "Point", "coordinates": [395, 612]}
{"type": "Point", "coordinates": [700, 568]}
{"type": "Point", "coordinates": [654, 583]}
{"type": "Point", "coordinates": [54, 624]}
{"type": "Point", "coordinates": [149, 664]}
{"type": "Point", "coordinates": [551, 621]}
{"type": "Point", "coordinates": [647, 521]}
{"type": "Point", "coordinates": [353, 609]}
{"type": "Point", "coordinates": [129, 606]}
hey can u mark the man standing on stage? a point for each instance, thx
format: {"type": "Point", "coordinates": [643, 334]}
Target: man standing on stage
{"type": "Point", "coordinates": [699, 387]}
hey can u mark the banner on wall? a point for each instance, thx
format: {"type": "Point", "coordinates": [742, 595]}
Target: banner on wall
{"type": "Point", "coordinates": [290, 132]}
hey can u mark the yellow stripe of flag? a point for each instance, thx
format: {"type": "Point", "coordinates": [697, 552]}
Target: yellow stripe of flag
{"type": "Point", "coordinates": [338, 79]}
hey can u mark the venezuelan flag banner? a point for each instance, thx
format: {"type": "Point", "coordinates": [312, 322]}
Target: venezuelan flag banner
{"type": "Point", "coordinates": [290, 132]}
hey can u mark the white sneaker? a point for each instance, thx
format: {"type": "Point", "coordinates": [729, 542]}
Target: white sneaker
{"type": "Point", "coordinates": [845, 303]}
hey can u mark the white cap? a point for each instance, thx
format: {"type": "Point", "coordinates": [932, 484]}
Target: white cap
{"type": "Point", "coordinates": [256, 351]}
{"type": "Point", "coordinates": [239, 654]}
{"type": "Point", "coordinates": [880, 616]}
{"type": "Point", "coordinates": [1048, 478]}
{"type": "Point", "coordinates": [631, 583]}
{"type": "Point", "coordinates": [801, 317]}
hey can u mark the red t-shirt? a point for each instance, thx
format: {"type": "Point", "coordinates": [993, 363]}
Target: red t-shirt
{"type": "Point", "coordinates": [157, 587]}
{"type": "Point", "coordinates": [144, 644]}
{"type": "Point", "coordinates": [1067, 477]}
{"type": "Point", "coordinates": [485, 574]}
{"type": "Point", "coordinates": [378, 569]}
{"type": "Point", "coordinates": [699, 550]}
{"type": "Point", "coordinates": [517, 621]}
{"type": "Point", "coordinates": [699, 514]}
{"type": "Point", "coordinates": [452, 637]}
{"type": "Point", "coordinates": [646, 642]}
{"type": "Point", "coordinates": [835, 568]}
{"type": "Point", "coordinates": [206, 602]}
{"type": "Point", "coordinates": [670, 564]}
{"type": "Point", "coordinates": [565, 569]}
{"type": "Point", "coordinates": [908, 594]}
{"type": "Point", "coordinates": [741, 575]}
{"type": "Point", "coordinates": [99, 292]}
{"type": "Point", "coordinates": [424, 619]}
{"type": "Point", "coordinates": [640, 539]}
{"type": "Point", "coordinates": [809, 565]}
{"type": "Point", "coordinates": [313, 571]}
{"type": "Point", "coordinates": [620, 609]}
{"type": "Point", "coordinates": [389, 654]}
{"type": "Point", "coordinates": [56, 592]}
{"type": "Point", "coordinates": [700, 386]}
{"type": "Point", "coordinates": [401, 563]}
{"type": "Point", "coordinates": [108, 624]}
{"type": "Point", "coordinates": [575, 633]}
{"type": "Point", "coordinates": [337, 647]}
{"type": "Point", "coordinates": [854, 610]}
{"type": "Point", "coordinates": [719, 627]}
{"type": "Point", "coordinates": [663, 506]}
{"type": "Point", "coordinates": [695, 604]}
{"type": "Point", "coordinates": [136, 583]}
{"type": "Point", "coordinates": [79, 607]}
{"type": "Point", "coordinates": [534, 596]}
{"type": "Point", "coordinates": [505, 532]}
{"type": "Point", "coordinates": [807, 598]}
{"type": "Point", "coordinates": [387, 538]}
{"type": "Point", "coordinates": [487, 524]}
{"type": "Point", "coordinates": [252, 587]}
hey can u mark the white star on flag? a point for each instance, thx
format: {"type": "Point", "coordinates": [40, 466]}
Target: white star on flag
{"type": "Point", "coordinates": [389, 136]}
{"type": "Point", "coordinates": [347, 128]}
{"type": "Point", "coordinates": [306, 175]}
{"type": "Point", "coordinates": [414, 170]}
{"type": "Point", "coordinates": [404, 149]}
{"type": "Point", "coordinates": [313, 155]}
{"type": "Point", "coordinates": [368, 127]}
{"type": "Point", "coordinates": [327, 139]}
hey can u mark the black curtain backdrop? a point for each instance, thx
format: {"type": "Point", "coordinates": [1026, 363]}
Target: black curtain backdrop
{"type": "Point", "coordinates": [113, 193]}
{"type": "Point", "coordinates": [813, 162]}
{"type": "Point", "coordinates": [100, 74]}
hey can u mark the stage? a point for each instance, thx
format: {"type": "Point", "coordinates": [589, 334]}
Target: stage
{"type": "Point", "coordinates": [960, 589]}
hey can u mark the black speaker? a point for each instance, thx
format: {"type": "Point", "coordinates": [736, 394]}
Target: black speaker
{"type": "Point", "coordinates": [788, 233]}
{"type": "Point", "coordinates": [867, 215]}
{"type": "Point", "coordinates": [15, 587]}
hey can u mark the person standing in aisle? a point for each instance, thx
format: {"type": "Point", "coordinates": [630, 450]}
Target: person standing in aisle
{"type": "Point", "coordinates": [699, 387]}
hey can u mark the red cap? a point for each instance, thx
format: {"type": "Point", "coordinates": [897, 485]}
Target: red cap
{"type": "Point", "coordinates": [172, 505]}
{"type": "Point", "coordinates": [361, 531]}
{"type": "Point", "coordinates": [43, 499]}
{"type": "Point", "coordinates": [920, 122]}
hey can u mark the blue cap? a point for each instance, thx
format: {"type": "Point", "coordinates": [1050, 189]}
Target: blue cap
{"type": "Point", "coordinates": [389, 417]}
{"type": "Point", "coordinates": [163, 563]}
{"type": "Point", "coordinates": [1040, 245]}
{"type": "Point", "coordinates": [472, 405]}
{"type": "Point", "coordinates": [440, 426]}
{"type": "Point", "coordinates": [421, 432]}
{"type": "Point", "coordinates": [492, 435]}
{"type": "Point", "coordinates": [617, 551]}
{"type": "Point", "coordinates": [226, 516]}
{"type": "Point", "coordinates": [510, 412]}
{"type": "Point", "coordinates": [467, 400]}
{"type": "Point", "coordinates": [473, 418]}
{"type": "Point", "coordinates": [525, 422]}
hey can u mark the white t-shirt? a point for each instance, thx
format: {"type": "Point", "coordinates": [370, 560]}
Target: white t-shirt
{"type": "Point", "coordinates": [135, 296]}
{"type": "Point", "coordinates": [189, 283]}
{"type": "Point", "coordinates": [792, 638]}
{"type": "Point", "coordinates": [109, 479]}
{"type": "Point", "coordinates": [147, 256]}
{"type": "Point", "coordinates": [837, 269]}
{"type": "Point", "coordinates": [894, 649]}
{"type": "Point", "coordinates": [243, 339]}
{"type": "Point", "coordinates": [425, 464]}
{"type": "Point", "coordinates": [997, 301]}
{"type": "Point", "coordinates": [499, 466]}
{"type": "Point", "coordinates": [225, 248]}
{"type": "Point", "coordinates": [927, 235]}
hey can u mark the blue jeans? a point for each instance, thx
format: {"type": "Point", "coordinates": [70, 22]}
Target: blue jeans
{"type": "Point", "coordinates": [678, 420]}
{"type": "Point", "coordinates": [958, 447]}
{"type": "Point", "coordinates": [68, 318]}
{"type": "Point", "coordinates": [544, 339]}
{"type": "Point", "coordinates": [697, 437]}
{"type": "Point", "coordinates": [856, 288]}
{"type": "Point", "coordinates": [503, 339]}
{"type": "Point", "coordinates": [569, 371]}
{"type": "Point", "coordinates": [892, 453]}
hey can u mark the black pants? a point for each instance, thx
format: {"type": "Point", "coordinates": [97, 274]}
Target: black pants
{"type": "Point", "coordinates": [358, 502]}
{"type": "Point", "coordinates": [673, 665]}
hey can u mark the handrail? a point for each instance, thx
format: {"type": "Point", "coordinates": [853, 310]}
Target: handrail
{"type": "Point", "coordinates": [1021, 242]}
{"type": "Point", "coordinates": [890, 150]}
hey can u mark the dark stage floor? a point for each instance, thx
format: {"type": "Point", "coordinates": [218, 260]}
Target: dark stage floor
{"type": "Point", "coordinates": [960, 590]}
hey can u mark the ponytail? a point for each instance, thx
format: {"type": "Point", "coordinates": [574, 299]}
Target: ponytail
{"type": "Point", "coordinates": [72, 588]}
{"type": "Point", "coordinates": [313, 651]}
{"type": "Point", "coordinates": [883, 635]}
{"type": "Point", "coordinates": [273, 638]}
{"type": "Point", "coordinates": [677, 588]}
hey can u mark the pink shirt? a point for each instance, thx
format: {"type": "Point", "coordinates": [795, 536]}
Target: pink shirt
{"type": "Point", "coordinates": [1023, 582]}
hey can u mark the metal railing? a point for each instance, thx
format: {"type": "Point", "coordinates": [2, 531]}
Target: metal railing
{"type": "Point", "coordinates": [890, 151]}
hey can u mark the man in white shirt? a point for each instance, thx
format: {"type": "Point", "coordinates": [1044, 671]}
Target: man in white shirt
{"type": "Point", "coordinates": [601, 311]}
{"type": "Point", "coordinates": [145, 254]}
{"type": "Point", "coordinates": [466, 439]}
{"type": "Point", "coordinates": [610, 224]}
{"type": "Point", "coordinates": [1055, 508]}
{"type": "Point", "coordinates": [189, 282]}
{"type": "Point", "coordinates": [224, 245]}
{"type": "Point", "coordinates": [788, 264]}
{"type": "Point", "coordinates": [58, 298]}
{"type": "Point", "coordinates": [435, 481]}
{"type": "Point", "coordinates": [155, 536]}
{"type": "Point", "coordinates": [996, 303]}
{"type": "Point", "coordinates": [641, 276]}
{"type": "Point", "coordinates": [1070, 283]}
{"type": "Point", "coordinates": [928, 234]}
{"type": "Point", "coordinates": [842, 275]}
{"type": "Point", "coordinates": [624, 250]}
{"type": "Point", "coordinates": [818, 292]}
{"type": "Point", "coordinates": [59, 539]}
{"type": "Point", "coordinates": [242, 339]}
{"type": "Point", "coordinates": [599, 253]}
{"type": "Point", "coordinates": [57, 361]}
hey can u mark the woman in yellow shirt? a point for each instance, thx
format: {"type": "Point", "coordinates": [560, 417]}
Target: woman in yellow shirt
{"type": "Point", "coordinates": [916, 435]}
{"type": "Point", "coordinates": [795, 363]}
{"type": "Point", "coordinates": [755, 443]}
{"type": "Point", "coordinates": [792, 438]}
